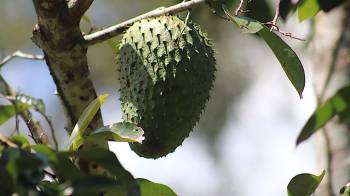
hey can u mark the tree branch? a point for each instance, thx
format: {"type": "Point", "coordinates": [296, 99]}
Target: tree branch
{"type": "Point", "coordinates": [48, 8]}
{"type": "Point", "coordinates": [53, 132]}
{"type": "Point", "coordinates": [60, 38]}
{"type": "Point", "coordinates": [115, 30]}
{"type": "Point", "coordinates": [239, 8]}
{"type": "Point", "coordinates": [79, 7]}
{"type": "Point", "coordinates": [20, 54]}
{"type": "Point", "coordinates": [33, 125]}
{"type": "Point", "coordinates": [6, 141]}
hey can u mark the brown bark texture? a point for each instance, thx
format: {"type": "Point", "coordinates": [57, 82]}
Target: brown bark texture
{"type": "Point", "coordinates": [58, 34]}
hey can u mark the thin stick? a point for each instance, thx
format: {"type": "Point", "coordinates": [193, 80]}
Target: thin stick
{"type": "Point", "coordinates": [185, 25]}
{"type": "Point", "coordinates": [20, 54]}
{"type": "Point", "coordinates": [37, 132]}
{"type": "Point", "coordinates": [239, 8]}
{"type": "Point", "coordinates": [35, 129]}
{"type": "Point", "coordinates": [329, 158]}
{"type": "Point", "coordinates": [274, 27]}
{"type": "Point", "coordinates": [7, 141]}
{"type": "Point", "coordinates": [332, 67]}
{"type": "Point", "coordinates": [115, 30]}
{"type": "Point", "coordinates": [52, 176]}
{"type": "Point", "coordinates": [53, 132]}
{"type": "Point", "coordinates": [16, 118]}
{"type": "Point", "coordinates": [277, 13]}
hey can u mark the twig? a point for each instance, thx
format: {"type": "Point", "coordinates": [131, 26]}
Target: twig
{"type": "Point", "coordinates": [332, 66]}
{"type": "Point", "coordinates": [115, 30]}
{"type": "Point", "coordinates": [37, 132]}
{"type": "Point", "coordinates": [7, 141]}
{"type": "Point", "coordinates": [274, 27]}
{"type": "Point", "coordinates": [239, 8]}
{"type": "Point", "coordinates": [328, 160]}
{"type": "Point", "coordinates": [53, 132]}
{"type": "Point", "coordinates": [20, 54]}
{"type": "Point", "coordinates": [52, 176]}
{"type": "Point", "coordinates": [184, 27]}
{"type": "Point", "coordinates": [17, 119]}
{"type": "Point", "coordinates": [277, 14]}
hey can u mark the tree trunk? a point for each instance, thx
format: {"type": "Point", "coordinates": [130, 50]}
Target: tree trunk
{"type": "Point", "coordinates": [331, 63]}
{"type": "Point", "coordinates": [58, 34]}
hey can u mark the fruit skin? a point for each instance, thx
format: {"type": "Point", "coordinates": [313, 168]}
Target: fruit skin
{"type": "Point", "coordinates": [166, 73]}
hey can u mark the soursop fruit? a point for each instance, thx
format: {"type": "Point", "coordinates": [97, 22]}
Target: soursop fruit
{"type": "Point", "coordinates": [166, 72]}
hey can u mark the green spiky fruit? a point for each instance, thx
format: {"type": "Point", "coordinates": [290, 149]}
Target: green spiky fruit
{"type": "Point", "coordinates": [166, 72]}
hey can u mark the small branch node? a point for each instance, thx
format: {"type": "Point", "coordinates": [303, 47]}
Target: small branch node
{"type": "Point", "coordinates": [22, 55]}
{"type": "Point", "coordinates": [274, 27]}
{"type": "Point", "coordinates": [239, 9]}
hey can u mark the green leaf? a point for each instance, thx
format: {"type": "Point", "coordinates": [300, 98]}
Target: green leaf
{"type": "Point", "coordinates": [54, 188]}
{"type": "Point", "coordinates": [93, 185]}
{"type": "Point", "coordinates": [286, 7]}
{"type": "Point", "coordinates": [344, 116]}
{"type": "Point", "coordinates": [259, 10]}
{"type": "Point", "coordinates": [307, 9]}
{"type": "Point", "coordinates": [87, 185]}
{"type": "Point", "coordinates": [216, 5]}
{"type": "Point", "coordinates": [21, 142]}
{"type": "Point", "coordinates": [119, 132]}
{"type": "Point", "coordinates": [114, 44]}
{"type": "Point", "coordinates": [285, 55]}
{"type": "Point", "coordinates": [107, 160]}
{"type": "Point", "coordinates": [23, 103]}
{"type": "Point", "coordinates": [84, 121]}
{"type": "Point", "coordinates": [149, 188]}
{"type": "Point", "coordinates": [38, 104]}
{"type": "Point", "coordinates": [63, 167]}
{"type": "Point", "coordinates": [304, 184]}
{"type": "Point", "coordinates": [81, 183]}
{"type": "Point", "coordinates": [21, 167]}
{"type": "Point", "coordinates": [87, 19]}
{"type": "Point", "coordinates": [337, 104]}
{"type": "Point", "coordinates": [345, 190]}
{"type": "Point", "coordinates": [9, 111]}
{"type": "Point", "coordinates": [287, 58]}
{"type": "Point", "coordinates": [247, 25]}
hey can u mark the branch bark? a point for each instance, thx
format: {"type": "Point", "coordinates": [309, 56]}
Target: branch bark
{"type": "Point", "coordinates": [6, 141]}
{"type": "Point", "coordinates": [35, 128]}
{"type": "Point", "coordinates": [118, 29]}
{"type": "Point", "coordinates": [79, 7]}
{"type": "Point", "coordinates": [59, 35]}
{"type": "Point", "coordinates": [20, 54]}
